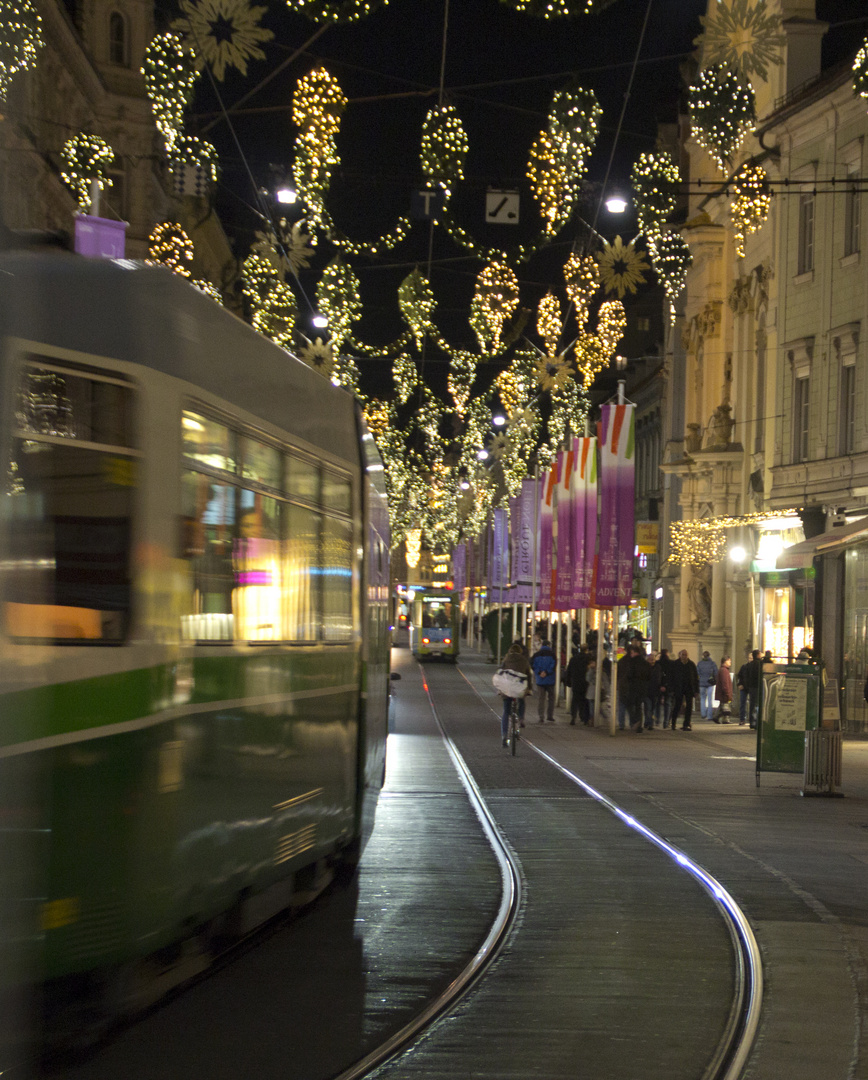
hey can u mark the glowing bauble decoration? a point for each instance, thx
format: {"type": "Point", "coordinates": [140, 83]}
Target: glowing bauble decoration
{"type": "Point", "coordinates": [860, 72]}
{"type": "Point", "coordinates": [444, 148]}
{"type": "Point", "coordinates": [495, 300]}
{"type": "Point", "coordinates": [170, 74]}
{"type": "Point", "coordinates": [171, 247]}
{"type": "Point", "coordinates": [20, 40]}
{"type": "Point", "coordinates": [655, 181]}
{"type": "Point", "coordinates": [750, 207]}
{"type": "Point", "coordinates": [722, 112]}
{"type": "Point", "coordinates": [85, 161]}
{"type": "Point", "coordinates": [671, 260]}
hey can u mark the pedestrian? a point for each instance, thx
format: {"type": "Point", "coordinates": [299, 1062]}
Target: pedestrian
{"type": "Point", "coordinates": [723, 690]}
{"type": "Point", "coordinates": [543, 664]}
{"type": "Point", "coordinates": [515, 660]}
{"type": "Point", "coordinates": [665, 663]}
{"type": "Point", "coordinates": [591, 688]}
{"type": "Point", "coordinates": [633, 674]}
{"type": "Point", "coordinates": [685, 682]}
{"type": "Point", "coordinates": [655, 693]}
{"type": "Point", "coordinates": [707, 671]}
{"type": "Point", "coordinates": [575, 677]}
{"type": "Point", "coordinates": [754, 680]}
{"type": "Point", "coordinates": [741, 683]}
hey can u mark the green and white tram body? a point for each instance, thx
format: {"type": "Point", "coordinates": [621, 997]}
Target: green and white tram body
{"type": "Point", "coordinates": [435, 624]}
{"type": "Point", "coordinates": [193, 651]}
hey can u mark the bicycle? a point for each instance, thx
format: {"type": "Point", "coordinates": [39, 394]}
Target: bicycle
{"type": "Point", "coordinates": [514, 725]}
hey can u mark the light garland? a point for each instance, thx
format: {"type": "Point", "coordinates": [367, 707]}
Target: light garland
{"type": "Point", "coordinates": [557, 9]}
{"type": "Point", "coordinates": [338, 298]}
{"type": "Point", "coordinates": [170, 74]}
{"type": "Point", "coordinates": [276, 313]}
{"type": "Point", "coordinates": [591, 358]}
{"type": "Point", "coordinates": [611, 324]}
{"type": "Point", "coordinates": [722, 112]}
{"type": "Point", "coordinates": [459, 381]}
{"type": "Point", "coordinates": [655, 179]}
{"type": "Point", "coordinates": [417, 304]}
{"type": "Point", "coordinates": [194, 153]}
{"type": "Point", "coordinates": [550, 182]}
{"type": "Point", "coordinates": [171, 247]}
{"type": "Point", "coordinates": [496, 298]}
{"type": "Point", "coordinates": [335, 11]}
{"type": "Point", "coordinates": [209, 289]}
{"type": "Point", "coordinates": [317, 107]}
{"type": "Point", "coordinates": [671, 259]}
{"type": "Point", "coordinates": [260, 273]}
{"type": "Point", "coordinates": [549, 324]}
{"type": "Point", "coordinates": [750, 208]}
{"type": "Point", "coordinates": [85, 159]}
{"type": "Point", "coordinates": [444, 148]}
{"type": "Point", "coordinates": [20, 40]}
{"type": "Point", "coordinates": [860, 72]}
{"type": "Point", "coordinates": [703, 540]}
{"type": "Point", "coordinates": [405, 375]}
{"type": "Point", "coordinates": [582, 278]}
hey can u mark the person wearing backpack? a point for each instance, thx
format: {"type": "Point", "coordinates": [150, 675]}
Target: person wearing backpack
{"type": "Point", "coordinates": [543, 664]}
{"type": "Point", "coordinates": [515, 660]}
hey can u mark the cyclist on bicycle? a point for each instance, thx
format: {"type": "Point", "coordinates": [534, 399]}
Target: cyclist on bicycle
{"type": "Point", "coordinates": [515, 660]}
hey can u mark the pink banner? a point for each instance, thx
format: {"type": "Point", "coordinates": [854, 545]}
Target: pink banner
{"type": "Point", "coordinates": [613, 583]}
{"type": "Point", "coordinates": [459, 568]}
{"type": "Point", "coordinates": [583, 496]}
{"type": "Point", "coordinates": [563, 597]}
{"type": "Point", "coordinates": [546, 531]}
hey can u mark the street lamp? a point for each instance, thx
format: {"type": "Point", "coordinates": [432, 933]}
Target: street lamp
{"type": "Point", "coordinates": [616, 203]}
{"type": "Point", "coordinates": [286, 195]}
{"type": "Point", "coordinates": [319, 321]}
{"type": "Point", "coordinates": [737, 554]}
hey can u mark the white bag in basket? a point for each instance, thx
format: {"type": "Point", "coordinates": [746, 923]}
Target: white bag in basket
{"type": "Point", "coordinates": [509, 683]}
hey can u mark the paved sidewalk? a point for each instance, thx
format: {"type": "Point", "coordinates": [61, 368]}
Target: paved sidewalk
{"type": "Point", "coordinates": [797, 866]}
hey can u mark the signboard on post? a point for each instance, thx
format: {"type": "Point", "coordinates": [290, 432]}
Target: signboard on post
{"type": "Point", "coordinates": [790, 707]}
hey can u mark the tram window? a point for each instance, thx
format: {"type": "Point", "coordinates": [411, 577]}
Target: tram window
{"type": "Point", "coordinates": [208, 442]}
{"type": "Point", "coordinates": [260, 462]}
{"type": "Point", "coordinates": [302, 478]}
{"type": "Point", "coordinates": [70, 406]}
{"type": "Point", "coordinates": [301, 580]}
{"type": "Point", "coordinates": [257, 567]}
{"type": "Point", "coordinates": [336, 492]}
{"type": "Point", "coordinates": [209, 513]}
{"type": "Point", "coordinates": [337, 578]}
{"type": "Point", "coordinates": [68, 576]}
{"type": "Point", "coordinates": [436, 614]}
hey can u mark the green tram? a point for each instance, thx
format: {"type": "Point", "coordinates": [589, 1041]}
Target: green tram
{"type": "Point", "coordinates": [435, 624]}
{"type": "Point", "coordinates": [194, 639]}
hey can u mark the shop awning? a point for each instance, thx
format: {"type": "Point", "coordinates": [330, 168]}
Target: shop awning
{"type": "Point", "coordinates": [802, 555]}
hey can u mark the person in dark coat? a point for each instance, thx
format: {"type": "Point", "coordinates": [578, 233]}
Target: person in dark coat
{"type": "Point", "coordinates": [656, 698]}
{"type": "Point", "coordinates": [741, 683]}
{"type": "Point", "coordinates": [754, 681]}
{"type": "Point", "coordinates": [515, 660]}
{"type": "Point", "coordinates": [685, 686]}
{"type": "Point", "coordinates": [723, 691]}
{"type": "Point", "coordinates": [543, 664]}
{"type": "Point", "coordinates": [633, 674]}
{"type": "Point", "coordinates": [576, 678]}
{"type": "Point", "coordinates": [665, 664]}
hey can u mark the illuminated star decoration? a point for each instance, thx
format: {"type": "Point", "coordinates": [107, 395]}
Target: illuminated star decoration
{"type": "Point", "coordinates": [319, 355]}
{"type": "Point", "coordinates": [622, 269]}
{"type": "Point", "coordinates": [20, 40]}
{"type": "Point", "coordinates": [742, 36]}
{"type": "Point", "coordinates": [860, 71]}
{"type": "Point", "coordinates": [85, 160]}
{"type": "Point", "coordinates": [223, 33]}
{"type": "Point", "coordinates": [335, 11]}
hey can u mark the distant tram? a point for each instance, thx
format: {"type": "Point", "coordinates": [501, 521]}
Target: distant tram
{"type": "Point", "coordinates": [435, 624]}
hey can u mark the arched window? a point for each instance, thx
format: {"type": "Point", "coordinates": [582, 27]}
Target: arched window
{"type": "Point", "coordinates": [118, 39]}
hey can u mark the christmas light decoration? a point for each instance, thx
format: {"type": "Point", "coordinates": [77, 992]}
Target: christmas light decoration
{"type": "Point", "coordinates": [611, 324]}
{"type": "Point", "coordinates": [582, 278]}
{"type": "Point", "coordinates": [276, 313]}
{"type": "Point", "coordinates": [444, 148]}
{"type": "Point", "coordinates": [416, 300]}
{"type": "Point", "coordinates": [496, 298]}
{"type": "Point", "coordinates": [549, 180]}
{"type": "Point", "coordinates": [459, 381]}
{"type": "Point", "coordinates": [558, 9]}
{"type": "Point", "coordinates": [195, 153]}
{"type": "Point", "coordinates": [85, 160]}
{"type": "Point", "coordinates": [722, 112]}
{"type": "Point", "coordinates": [171, 247]}
{"type": "Point", "coordinates": [574, 117]}
{"type": "Point", "coordinates": [591, 358]}
{"type": "Point", "coordinates": [345, 373]}
{"type": "Point", "coordinates": [671, 260]}
{"type": "Point", "coordinates": [317, 107]}
{"type": "Point", "coordinates": [20, 40]}
{"type": "Point", "coordinates": [860, 71]}
{"type": "Point", "coordinates": [260, 274]}
{"type": "Point", "coordinates": [223, 33]}
{"type": "Point", "coordinates": [209, 289]}
{"type": "Point", "coordinates": [552, 372]}
{"type": "Point", "coordinates": [694, 543]}
{"type": "Point", "coordinates": [335, 11]}
{"type": "Point", "coordinates": [170, 74]}
{"type": "Point", "coordinates": [750, 207]}
{"type": "Point", "coordinates": [654, 181]}
{"type": "Point", "coordinates": [413, 544]}
{"type": "Point", "coordinates": [622, 268]}
{"type": "Point", "coordinates": [405, 375]}
{"type": "Point", "coordinates": [569, 412]}
{"type": "Point", "coordinates": [741, 35]}
{"type": "Point", "coordinates": [549, 323]}
{"type": "Point", "coordinates": [337, 297]}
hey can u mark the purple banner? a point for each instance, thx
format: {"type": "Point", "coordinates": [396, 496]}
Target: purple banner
{"type": "Point", "coordinates": [613, 582]}
{"type": "Point", "coordinates": [563, 597]}
{"type": "Point", "coordinates": [546, 531]}
{"type": "Point", "coordinates": [583, 495]}
{"type": "Point", "coordinates": [499, 565]}
{"type": "Point", "coordinates": [459, 569]}
{"type": "Point", "coordinates": [523, 551]}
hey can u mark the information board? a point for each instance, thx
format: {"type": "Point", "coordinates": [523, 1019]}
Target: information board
{"type": "Point", "coordinates": [790, 707]}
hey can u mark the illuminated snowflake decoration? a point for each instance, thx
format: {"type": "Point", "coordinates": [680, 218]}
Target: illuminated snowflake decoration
{"type": "Point", "coordinates": [552, 372]}
{"type": "Point", "coordinates": [622, 268]}
{"type": "Point", "coordinates": [319, 355]}
{"type": "Point", "coordinates": [860, 71]}
{"type": "Point", "coordinates": [742, 36]}
{"type": "Point", "coordinates": [20, 40]}
{"type": "Point", "coordinates": [223, 33]}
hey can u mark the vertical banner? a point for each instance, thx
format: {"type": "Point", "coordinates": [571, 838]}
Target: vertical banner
{"type": "Point", "coordinates": [499, 564]}
{"type": "Point", "coordinates": [614, 575]}
{"type": "Point", "coordinates": [523, 541]}
{"type": "Point", "coordinates": [583, 496]}
{"type": "Point", "coordinates": [546, 531]}
{"type": "Point", "coordinates": [563, 598]}
{"type": "Point", "coordinates": [459, 569]}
